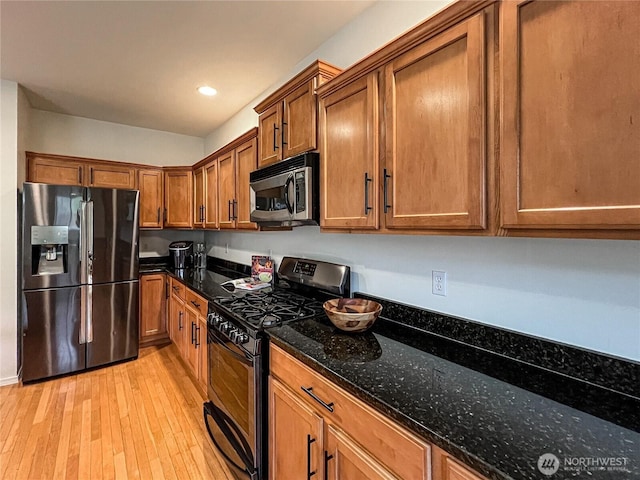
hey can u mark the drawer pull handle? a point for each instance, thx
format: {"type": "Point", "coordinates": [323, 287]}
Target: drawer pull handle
{"type": "Point", "coordinates": [309, 391]}
{"type": "Point", "coordinates": [327, 457]}
{"type": "Point", "coordinates": [195, 304]}
{"type": "Point", "coordinates": [309, 472]}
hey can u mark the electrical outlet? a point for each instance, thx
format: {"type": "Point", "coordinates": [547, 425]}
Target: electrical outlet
{"type": "Point", "coordinates": [439, 283]}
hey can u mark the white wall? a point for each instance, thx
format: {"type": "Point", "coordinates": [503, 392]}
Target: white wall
{"type": "Point", "coordinates": [84, 137]}
{"type": "Point", "coordinates": [373, 28]}
{"type": "Point", "coordinates": [8, 239]}
{"type": "Point", "coordinates": [155, 243]}
{"type": "Point", "coordinates": [24, 127]}
{"type": "Point", "coordinates": [580, 292]}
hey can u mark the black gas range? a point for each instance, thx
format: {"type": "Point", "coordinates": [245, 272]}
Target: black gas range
{"type": "Point", "coordinates": [237, 346]}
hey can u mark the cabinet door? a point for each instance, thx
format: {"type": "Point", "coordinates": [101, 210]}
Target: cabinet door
{"type": "Point", "coordinates": [435, 98]}
{"type": "Point", "coordinates": [203, 356]}
{"type": "Point", "coordinates": [191, 341]}
{"type": "Point", "coordinates": [570, 110]}
{"type": "Point", "coordinates": [299, 124]}
{"type": "Point", "coordinates": [227, 185]}
{"type": "Point", "coordinates": [446, 467]}
{"type": "Point", "coordinates": [151, 198]}
{"type": "Point", "coordinates": [270, 136]}
{"type": "Point", "coordinates": [345, 459]}
{"type": "Point", "coordinates": [349, 152]}
{"type": "Point", "coordinates": [178, 199]}
{"type": "Point", "coordinates": [246, 162]}
{"type": "Point", "coordinates": [199, 192]}
{"type": "Point", "coordinates": [56, 171]}
{"type": "Point", "coordinates": [111, 176]}
{"type": "Point", "coordinates": [178, 322]}
{"type": "Point", "coordinates": [153, 307]}
{"type": "Point", "coordinates": [211, 208]}
{"type": "Point", "coordinates": [295, 436]}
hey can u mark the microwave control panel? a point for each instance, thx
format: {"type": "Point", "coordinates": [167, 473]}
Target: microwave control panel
{"type": "Point", "coordinates": [300, 192]}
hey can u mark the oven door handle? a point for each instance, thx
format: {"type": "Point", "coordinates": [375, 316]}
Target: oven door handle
{"type": "Point", "coordinates": [219, 341]}
{"type": "Point", "coordinates": [235, 438]}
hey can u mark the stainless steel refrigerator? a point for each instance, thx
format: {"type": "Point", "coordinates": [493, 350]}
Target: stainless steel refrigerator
{"type": "Point", "coordinates": [79, 278]}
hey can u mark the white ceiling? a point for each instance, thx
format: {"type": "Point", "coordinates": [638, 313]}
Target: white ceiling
{"type": "Point", "coordinates": [139, 62]}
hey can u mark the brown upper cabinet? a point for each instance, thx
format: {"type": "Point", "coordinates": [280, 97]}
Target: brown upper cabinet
{"type": "Point", "coordinates": [227, 185]}
{"type": "Point", "coordinates": [178, 197]}
{"type": "Point", "coordinates": [570, 111]}
{"type": "Point", "coordinates": [349, 164]}
{"type": "Point", "coordinates": [64, 170]}
{"type": "Point", "coordinates": [435, 162]}
{"type": "Point", "coordinates": [112, 176]}
{"type": "Point", "coordinates": [421, 163]}
{"type": "Point", "coordinates": [234, 168]}
{"type": "Point", "coordinates": [199, 195]}
{"type": "Point", "coordinates": [211, 207]}
{"type": "Point", "coordinates": [205, 194]}
{"type": "Point", "coordinates": [287, 121]}
{"type": "Point", "coordinates": [150, 182]}
{"type": "Point", "coordinates": [55, 169]}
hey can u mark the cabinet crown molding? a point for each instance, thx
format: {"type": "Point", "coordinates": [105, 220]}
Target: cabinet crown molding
{"type": "Point", "coordinates": [242, 139]}
{"type": "Point", "coordinates": [319, 67]}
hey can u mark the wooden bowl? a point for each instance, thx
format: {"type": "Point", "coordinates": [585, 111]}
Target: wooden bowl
{"type": "Point", "coordinates": [352, 314]}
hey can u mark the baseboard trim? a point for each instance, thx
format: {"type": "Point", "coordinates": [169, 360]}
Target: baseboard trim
{"type": "Point", "coordinates": [8, 381]}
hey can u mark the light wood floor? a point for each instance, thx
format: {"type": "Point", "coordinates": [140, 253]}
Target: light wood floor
{"type": "Point", "coordinates": [140, 419]}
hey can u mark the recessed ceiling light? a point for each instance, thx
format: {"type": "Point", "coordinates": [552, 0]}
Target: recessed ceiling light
{"type": "Point", "coordinates": [207, 90]}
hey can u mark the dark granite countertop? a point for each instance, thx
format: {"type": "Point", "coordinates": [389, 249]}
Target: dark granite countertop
{"type": "Point", "coordinates": [205, 282]}
{"type": "Point", "coordinates": [493, 413]}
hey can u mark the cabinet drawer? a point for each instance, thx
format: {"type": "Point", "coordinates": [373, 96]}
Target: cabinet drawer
{"type": "Point", "coordinates": [178, 289]}
{"type": "Point", "coordinates": [196, 302]}
{"type": "Point", "coordinates": [398, 450]}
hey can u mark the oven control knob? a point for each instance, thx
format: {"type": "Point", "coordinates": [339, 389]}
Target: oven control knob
{"type": "Point", "coordinates": [215, 319]}
{"type": "Point", "coordinates": [225, 327]}
{"type": "Point", "coordinates": [241, 338]}
{"type": "Point", "coordinates": [233, 334]}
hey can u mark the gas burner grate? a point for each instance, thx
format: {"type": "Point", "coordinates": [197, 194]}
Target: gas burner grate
{"type": "Point", "coordinates": [271, 309]}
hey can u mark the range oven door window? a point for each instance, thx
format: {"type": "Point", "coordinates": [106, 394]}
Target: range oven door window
{"type": "Point", "coordinates": [232, 414]}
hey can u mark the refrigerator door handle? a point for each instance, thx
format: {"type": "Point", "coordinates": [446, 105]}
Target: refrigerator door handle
{"type": "Point", "coordinates": [89, 237]}
{"type": "Point", "coordinates": [83, 243]}
{"type": "Point", "coordinates": [89, 314]}
{"type": "Point", "coordinates": [83, 315]}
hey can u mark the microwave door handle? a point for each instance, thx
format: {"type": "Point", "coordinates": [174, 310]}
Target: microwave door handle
{"type": "Point", "coordinates": [287, 185]}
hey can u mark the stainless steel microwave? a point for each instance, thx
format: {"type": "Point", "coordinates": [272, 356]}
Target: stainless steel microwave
{"type": "Point", "coordinates": [286, 193]}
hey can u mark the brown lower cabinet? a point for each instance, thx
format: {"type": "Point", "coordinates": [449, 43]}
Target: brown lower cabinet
{"type": "Point", "coordinates": [188, 330]}
{"type": "Point", "coordinates": [338, 437]}
{"type": "Point", "coordinates": [315, 426]}
{"type": "Point", "coordinates": [153, 309]}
